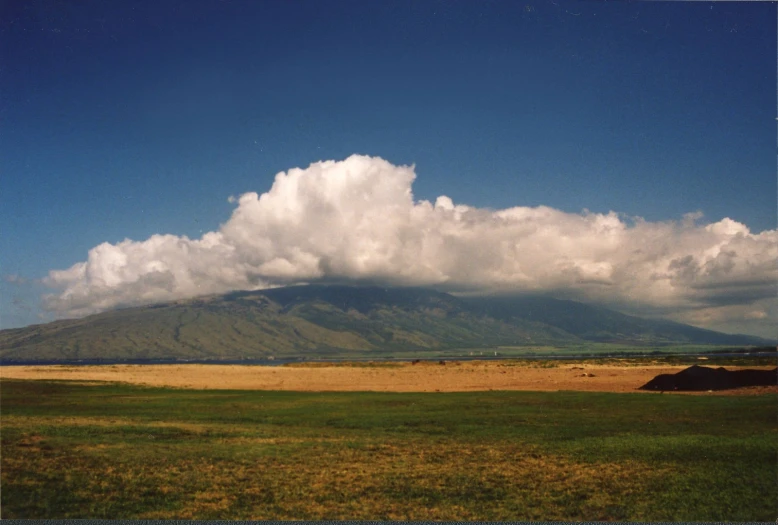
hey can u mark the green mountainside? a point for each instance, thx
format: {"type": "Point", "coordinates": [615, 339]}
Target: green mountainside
{"type": "Point", "coordinates": [597, 324]}
{"type": "Point", "coordinates": [326, 321]}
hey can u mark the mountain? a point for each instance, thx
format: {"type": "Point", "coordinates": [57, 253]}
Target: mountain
{"type": "Point", "coordinates": [326, 321]}
{"type": "Point", "coordinates": [598, 324]}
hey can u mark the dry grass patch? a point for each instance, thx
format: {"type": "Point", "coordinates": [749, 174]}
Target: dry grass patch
{"type": "Point", "coordinates": [387, 482]}
{"type": "Point", "coordinates": [424, 376]}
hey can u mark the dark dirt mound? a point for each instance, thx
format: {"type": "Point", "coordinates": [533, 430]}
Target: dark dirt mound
{"type": "Point", "coordinates": [697, 378]}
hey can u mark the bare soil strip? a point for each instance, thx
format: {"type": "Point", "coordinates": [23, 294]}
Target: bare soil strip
{"type": "Point", "coordinates": [422, 377]}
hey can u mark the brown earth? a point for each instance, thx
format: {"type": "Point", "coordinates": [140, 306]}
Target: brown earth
{"type": "Point", "coordinates": [398, 377]}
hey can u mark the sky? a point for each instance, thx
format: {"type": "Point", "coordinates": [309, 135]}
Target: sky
{"type": "Point", "coordinates": [615, 153]}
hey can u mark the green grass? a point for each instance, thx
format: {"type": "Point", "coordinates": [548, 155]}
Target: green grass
{"type": "Point", "coordinates": [345, 364]}
{"type": "Point", "coordinates": [72, 450]}
{"type": "Point", "coordinates": [588, 349]}
{"type": "Point", "coordinates": [669, 360]}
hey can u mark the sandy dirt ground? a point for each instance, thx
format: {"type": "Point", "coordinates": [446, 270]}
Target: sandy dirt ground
{"type": "Point", "coordinates": [405, 377]}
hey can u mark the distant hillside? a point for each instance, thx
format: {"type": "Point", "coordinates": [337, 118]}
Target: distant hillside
{"type": "Point", "coordinates": [322, 321]}
{"type": "Point", "coordinates": [593, 323]}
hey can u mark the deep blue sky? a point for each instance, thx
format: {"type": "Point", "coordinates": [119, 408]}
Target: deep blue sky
{"type": "Point", "coordinates": [125, 119]}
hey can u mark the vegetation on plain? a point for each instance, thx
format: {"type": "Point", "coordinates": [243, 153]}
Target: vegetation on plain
{"type": "Point", "coordinates": [345, 364]}
{"type": "Point", "coordinates": [73, 450]}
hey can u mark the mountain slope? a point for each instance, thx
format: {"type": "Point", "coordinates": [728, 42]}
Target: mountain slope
{"type": "Point", "coordinates": [336, 320]}
{"type": "Point", "coordinates": [598, 324]}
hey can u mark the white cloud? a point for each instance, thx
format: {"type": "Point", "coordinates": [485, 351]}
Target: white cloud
{"type": "Point", "coordinates": [357, 220]}
{"type": "Point", "coordinates": [15, 279]}
{"type": "Point", "coordinates": [757, 318]}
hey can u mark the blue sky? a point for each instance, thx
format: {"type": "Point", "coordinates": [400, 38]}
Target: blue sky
{"type": "Point", "coordinates": [129, 119]}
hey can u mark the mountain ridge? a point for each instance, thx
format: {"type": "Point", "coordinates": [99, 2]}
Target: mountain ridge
{"type": "Point", "coordinates": [329, 320]}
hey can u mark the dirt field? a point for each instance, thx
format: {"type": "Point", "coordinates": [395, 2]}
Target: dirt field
{"type": "Point", "coordinates": [405, 377]}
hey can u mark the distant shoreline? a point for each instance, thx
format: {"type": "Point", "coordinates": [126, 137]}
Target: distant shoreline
{"type": "Point", "coordinates": [283, 361]}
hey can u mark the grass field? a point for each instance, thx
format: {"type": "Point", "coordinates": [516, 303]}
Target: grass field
{"type": "Point", "coordinates": [671, 360]}
{"type": "Point", "coordinates": [101, 450]}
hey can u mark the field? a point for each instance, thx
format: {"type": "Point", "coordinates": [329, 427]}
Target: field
{"type": "Point", "coordinates": [594, 375]}
{"type": "Point", "coordinates": [80, 448]}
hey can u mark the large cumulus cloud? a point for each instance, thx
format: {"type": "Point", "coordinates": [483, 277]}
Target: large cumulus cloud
{"type": "Point", "coordinates": [357, 220]}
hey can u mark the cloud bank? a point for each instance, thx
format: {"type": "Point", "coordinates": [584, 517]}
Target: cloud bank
{"type": "Point", "coordinates": [356, 220]}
